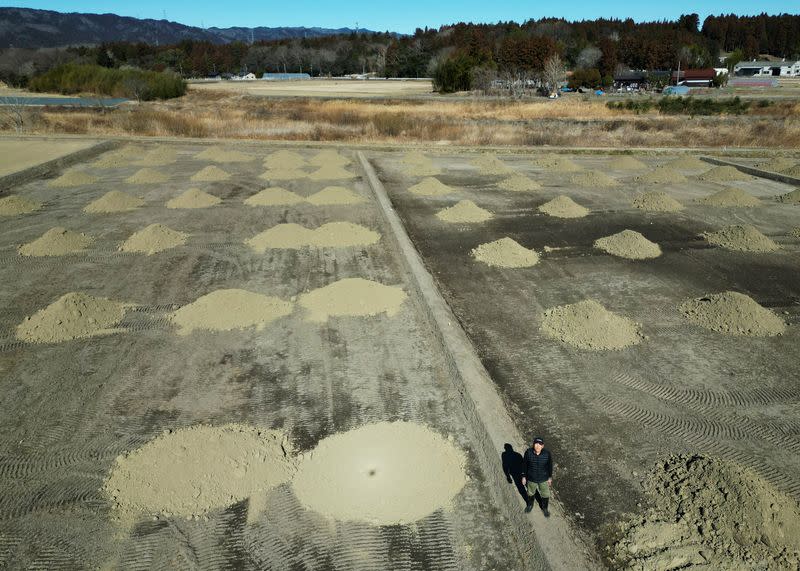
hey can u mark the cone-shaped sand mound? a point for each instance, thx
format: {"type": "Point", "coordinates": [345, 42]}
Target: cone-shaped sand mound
{"type": "Point", "coordinates": [160, 156]}
{"type": "Point", "coordinates": [656, 201]}
{"type": "Point", "coordinates": [741, 238]}
{"type": "Point", "coordinates": [592, 179]}
{"type": "Point", "coordinates": [329, 157]}
{"type": "Point", "coordinates": [417, 164]}
{"type": "Point", "coordinates": [724, 174]}
{"type": "Point", "coordinates": [147, 176]}
{"type": "Point", "coordinates": [72, 316]}
{"type": "Point", "coordinates": [491, 165]}
{"type": "Point", "coordinates": [330, 235]}
{"type": "Point", "coordinates": [284, 160]}
{"type": "Point", "coordinates": [557, 163]}
{"type": "Point", "coordinates": [192, 199]}
{"type": "Point", "coordinates": [217, 155]}
{"type": "Point", "coordinates": [430, 187]}
{"type": "Point", "coordinates": [15, 205]}
{"type": "Point", "coordinates": [778, 164]}
{"type": "Point", "coordinates": [792, 197]}
{"type": "Point", "coordinates": [385, 473]}
{"type": "Point", "coordinates": [118, 158]}
{"type": "Point", "coordinates": [687, 163]}
{"type": "Point", "coordinates": [625, 163]}
{"type": "Point", "coordinates": [464, 211]}
{"type": "Point", "coordinates": [274, 196]}
{"type": "Point", "coordinates": [333, 195]}
{"type": "Point", "coordinates": [505, 253]}
{"type": "Point", "coordinates": [352, 297]}
{"type": "Point", "coordinates": [155, 238]}
{"type": "Point", "coordinates": [114, 201]}
{"type": "Point", "coordinates": [72, 178]}
{"type": "Point", "coordinates": [210, 174]}
{"type": "Point", "coordinates": [563, 207]}
{"type": "Point", "coordinates": [56, 242]}
{"type": "Point", "coordinates": [195, 470]}
{"type": "Point", "coordinates": [518, 183]}
{"type": "Point", "coordinates": [628, 244]}
{"type": "Point", "coordinates": [331, 172]}
{"type": "Point", "coordinates": [661, 175]}
{"type": "Point", "coordinates": [732, 313]}
{"type": "Point", "coordinates": [279, 173]}
{"type": "Point", "coordinates": [589, 325]}
{"type": "Point", "coordinates": [229, 309]}
{"type": "Point", "coordinates": [731, 197]}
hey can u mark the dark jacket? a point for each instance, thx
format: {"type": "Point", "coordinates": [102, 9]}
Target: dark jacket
{"type": "Point", "coordinates": [538, 468]}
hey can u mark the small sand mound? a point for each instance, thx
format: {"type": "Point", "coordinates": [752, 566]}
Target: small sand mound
{"type": "Point", "coordinates": [687, 163]}
{"type": "Point", "coordinates": [741, 238]}
{"type": "Point", "coordinates": [155, 238]}
{"type": "Point", "coordinates": [195, 470]}
{"type": "Point", "coordinates": [147, 176]}
{"type": "Point", "coordinates": [284, 173]}
{"type": "Point", "coordinates": [72, 316]}
{"type": "Point", "coordinates": [333, 195]}
{"type": "Point", "coordinates": [329, 158]}
{"type": "Point", "coordinates": [793, 171]}
{"type": "Point", "coordinates": [491, 165]}
{"type": "Point", "coordinates": [229, 309]}
{"type": "Point", "coordinates": [56, 242]}
{"type": "Point", "coordinates": [628, 244]}
{"type": "Point", "coordinates": [330, 235]}
{"type": "Point", "coordinates": [15, 205]}
{"type": "Point", "coordinates": [777, 164]}
{"type": "Point", "coordinates": [464, 211]}
{"type": "Point", "coordinates": [505, 253]}
{"type": "Point", "coordinates": [713, 515]}
{"type": "Point", "coordinates": [792, 197]}
{"type": "Point", "coordinates": [724, 174]}
{"type": "Point", "coordinates": [589, 325]}
{"type": "Point", "coordinates": [210, 174]}
{"type": "Point", "coordinates": [160, 156]}
{"type": "Point", "coordinates": [661, 175]}
{"type": "Point", "coordinates": [274, 196]}
{"type": "Point", "coordinates": [656, 201]}
{"type": "Point", "coordinates": [417, 164]}
{"type": "Point", "coordinates": [193, 198]}
{"type": "Point", "coordinates": [284, 160]}
{"type": "Point", "coordinates": [731, 197]}
{"type": "Point", "coordinates": [563, 207]}
{"type": "Point", "coordinates": [795, 233]}
{"type": "Point", "coordinates": [592, 179]}
{"type": "Point", "coordinates": [118, 158]}
{"type": "Point", "coordinates": [557, 163]}
{"type": "Point", "coordinates": [421, 470]}
{"type": "Point", "coordinates": [114, 201]}
{"type": "Point", "coordinates": [518, 183]}
{"type": "Point", "coordinates": [352, 297]}
{"type": "Point", "coordinates": [626, 163]}
{"type": "Point", "coordinates": [218, 155]}
{"type": "Point", "coordinates": [430, 187]}
{"type": "Point", "coordinates": [732, 313]}
{"type": "Point", "coordinates": [72, 178]}
{"type": "Point", "coordinates": [331, 172]}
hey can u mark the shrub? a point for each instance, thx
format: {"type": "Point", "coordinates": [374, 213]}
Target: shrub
{"type": "Point", "coordinates": [684, 106]}
{"type": "Point", "coordinates": [585, 78]}
{"type": "Point", "coordinates": [453, 74]}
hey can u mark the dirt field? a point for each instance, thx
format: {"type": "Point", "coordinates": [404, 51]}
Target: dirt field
{"type": "Point", "coordinates": [16, 155]}
{"type": "Point", "coordinates": [333, 88]}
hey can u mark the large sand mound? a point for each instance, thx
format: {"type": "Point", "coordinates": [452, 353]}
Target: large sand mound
{"type": "Point", "coordinates": [331, 172]}
{"type": "Point", "coordinates": [732, 313]}
{"type": "Point", "coordinates": [195, 470]}
{"type": "Point", "coordinates": [724, 174]}
{"type": "Point", "coordinates": [464, 211]}
{"type": "Point", "coordinates": [385, 474]}
{"type": "Point", "coordinates": [229, 309]}
{"type": "Point", "coordinates": [628, 244]}
{"type": "Point", "coordinates": [792, 197]}
{"type": "Point", "coordinates": [284, 160]}
{"type": "Point", "coordinates": [330, 235]}
{"type": "Point", "coordinates": [518, 183]}
{"type": "Point", "coordinates": [210, 174]}
{"type": "Point", "coordinates": [159, 156]}
{"type": "Point", "coordinates": [557, 163]}
{"type": "Point", "coordinates": [284, 173]}
{"type": "Point", "coordinates": [731, 197]}
{"type": "Point", "coordinates": [777, 164]}
{"type": "Point", "coordinates": [352, 297]}
{"type": "Point", "coordinates": [329, 157]}
{"type": "Point", "coordinates": [563, 207]}
{"type": "Point", "coordinates": [72, 178]}
{"type": "Point", "coordinates": [118, 158]}
{"type": "Point", "coordinates": [626, 163]}
{"type": "Point", "coordinates": [72, 316]}
{"type": "Point", "coordinates": [709, 514]}
{"type": "Point", "coordinates": [505, 253]}
{"type": "Point", "coordinates": [147, 176]}
{"type": "Point", "coordinates": [56, 242]}
{"type": "Point", "coordinates": [155, 238]}
{"type": "Point", "coordinates": [430, 187]}
{"type": "Point", "coordinates": [417, 164]}
{"type": "Point", "coordinates": [741, 238]}
{"type": "Point", "coordinates": [490, 165]}
{"type": "Point", "coordinates": [687, 163]}
{"type": "Point", "coordinates": [193, 198]}
{"type": "Point", "coordinates": [15, 205]}
{"type": "Point", "coordinates": [656, 201]}
{"type": "Point", "coordinates": [661, 175]}
{"type": "Point", "coordinates": [589, 325]}
{"type": "Point", "coordinates": [593, 179]}
{"type": "Point", "coordinates": [274, 196]}
{"type": "Point", "coordinates": [114, 201]}
{"type": "Point", "coordinates": [218, 155]}
{"type": "Point", "coordinates": [333, 195]}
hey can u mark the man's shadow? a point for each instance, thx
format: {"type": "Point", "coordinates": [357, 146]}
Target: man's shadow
{"type": "Point", "coordinates": [514, 469]}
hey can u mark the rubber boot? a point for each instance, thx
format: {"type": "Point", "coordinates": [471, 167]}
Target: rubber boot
{"type": "Point", "coordinates": [545, 502]}
{"type": "Point", "coordinates": [528, 504]}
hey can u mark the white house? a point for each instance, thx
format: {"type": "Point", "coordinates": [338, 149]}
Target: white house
{"type": "Point", "coordinates": [767, 69]}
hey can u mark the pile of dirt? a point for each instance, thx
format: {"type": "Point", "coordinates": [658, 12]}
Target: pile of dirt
{"type": "Point", "coordinates": [72, 178]}
{"type": "Point", "coordinates": [731, 197]}
{"type": "Point", "coordinates": [192, 471]}
{"type": "Point", "coordinates": [792, 197]}
{"type": "Point", "coordinates": [589, 325]}
{"type": "Point", "coordinates": [687, 163]}
{"type": "Point", "coordinates": [159, 156]}
{"type": "Point", "coordinates": [352, 297]}
{"type": "Point", "coordinates": [334, 195]}
{"type": "Point", "coordinates": [732, 313]}
{"type": "Point", "coordinates": [417, 164]}
{"type": "Point", "coordinates": [777, 164]}
{"type": "Point", "coordinates": [505, 253]}
{"type": "Point", "coordinates": [490, 165]}
{"type": "Point", "coordinates": [711, 514]}
{"type": "Point", "coordinates": [626, 163]}
{"type": "Point", "coordinates": [118, 158]}
{"type": "Point", "coordinates": [147, 176]}
{"type": "Point", "coordinates": [274, 196]}
{"type": "Point", "coordinates": [284, 173]}
{"type": "Point", "coordinates": [331, 172]}
{"type": "Point", "coordinates": [229, 309]}
{"type": "Point", "coordinates": [329, 158]}
{"type": "Point", "coordinates": [210, 174]}
{"type": "Point", "coordinates": [15, 205]}
{"type": "Point", "coordinates": [218, 155]}
{"type": "Point", "coordinates": [114, 201]}
{"type": "Point", "coordinates": [793, 171]}
{"type": "Point", "coordinates": [72, 316]}
{"type": "Point", "coordinates": [430, 187]}
{"type": "Point", "coordinates": [661, 175]}
{"type": "Point", "coordinates": [153, 239]}
{"type": "Point", "coordinates": [628, 244]}
{"type": "Point", "coordinates": [387, 473]}
{"type": "Point", "coordinates": [592, 179]}
{"type": "Point", "coordinates": [192, 199]}
{"type": "Point", "coordinates": [464, 211]}
{"type": "Point", "coordinates": [563, 207]}
{"type": "Point", "coordinates": [518, 183]}
{"type": "Point", "coordinates": [741, 238]}
{"type": "Point", "coordinates": [56, 242]}
{"type": "Point", "coordinates": [724, 174]}
{"type": "Point", "coordinates": [557, 163]}
{"type": "Point", "coordinates": [284, 160]}
{"type": "Point", "coordinates": [656, 201]}
{"type": "Point", "coordinates": [330, 235]}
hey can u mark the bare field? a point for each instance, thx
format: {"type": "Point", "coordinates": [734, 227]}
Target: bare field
{"type": "Point", "coordinates": [16, 155]}
{"type": "Point", "coordinates": [320, 88]}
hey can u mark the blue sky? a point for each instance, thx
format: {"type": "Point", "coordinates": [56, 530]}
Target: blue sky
{"type": "Point", "coordinates": [403, 15]}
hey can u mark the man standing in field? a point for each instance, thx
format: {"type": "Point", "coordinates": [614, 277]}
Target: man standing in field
{"type": "Point", "coordinates": [538, 475]}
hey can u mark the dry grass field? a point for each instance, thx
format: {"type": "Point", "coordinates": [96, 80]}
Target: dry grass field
{"type": "Point", "coordinates": [320, 88]}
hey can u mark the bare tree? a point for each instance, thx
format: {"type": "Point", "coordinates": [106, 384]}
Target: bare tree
{"type": "Point", "coordinates": [554, 73]}
{"type": "Point", "coordinates": [13, 114]}
{"type": "Point", "coordinates": [588, 58]}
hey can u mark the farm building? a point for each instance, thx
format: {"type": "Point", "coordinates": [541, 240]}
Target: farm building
{"type": "Point", "coordinates": [767, 69]}
{"type": "Point", "coordinates": [694, 77]}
